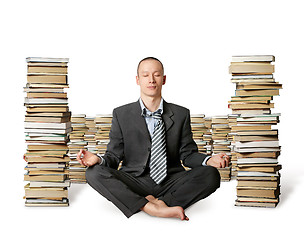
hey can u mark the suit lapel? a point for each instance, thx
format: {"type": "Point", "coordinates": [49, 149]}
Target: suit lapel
{"type": "Point", "coordinates": [139, 121]}
{"type": "Point", "coordinates": [167, 114]}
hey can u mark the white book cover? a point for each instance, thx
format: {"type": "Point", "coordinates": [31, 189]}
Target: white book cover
{"type": "Point", "coordinates": [45, 130]}
{"type": "Point", "coordinates": [50, 184]}
{"type": "Point", "coordinates": [259, 76]}
{"type": "Point", "coordinates": [46, 165]}
{"type": "Point", "coordinates": [253, 58]}
{"type": "Point", "coordinates": [46, 59]}
{"type": "Point", "coordinates": [44, 100]}
{"type": "Point", "coordinates": [257, 144]}
{"type": "Point", "coordinates": [257, 174]}
{"type": "Point", "coordinates": [47, 125]}
{"type": "Point", "coordinates": [104, 115]}
{"type": "Point", "coordinates": [245, 150]}
{"type": "Point", "coordinates": [256, 160]}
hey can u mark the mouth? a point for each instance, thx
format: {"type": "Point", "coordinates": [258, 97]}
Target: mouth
{"type": "Point", "coordinates": [151, 87]}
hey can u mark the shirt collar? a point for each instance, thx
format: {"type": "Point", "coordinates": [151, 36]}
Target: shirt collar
{"type": "Point", "coordinates": [144, 110]}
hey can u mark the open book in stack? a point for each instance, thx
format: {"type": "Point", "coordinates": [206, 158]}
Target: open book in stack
{"type": "Point", "coordinates": [77, 142]}
{"type": "Point", "coordinates": [47, 124]}
{"type": "Point", "coordinates": [255, 143]}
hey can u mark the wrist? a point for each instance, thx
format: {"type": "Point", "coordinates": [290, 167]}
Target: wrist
{"type": "Point", "coordinates": [205, 162]}
{"type": "Point", "coordinates": [100, 159]}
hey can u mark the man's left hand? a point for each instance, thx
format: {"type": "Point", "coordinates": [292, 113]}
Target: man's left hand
{"type": "Point", "coordinates": [220, 160]}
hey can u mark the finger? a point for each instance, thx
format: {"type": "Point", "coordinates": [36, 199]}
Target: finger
{"type": "Point", "coordinates": [80, 158]}
{"type": "Point", "coordinates": [225, 156]}
{"type": "Point", "coordinates": [80, 161]}
{"type": "Point", "coordinates": [79, 155]}
{"type": "Point", "coordinates": [221, 165]}
{"type": "Point", "coordinates": [82, 151]}
{"type": "Point", "coordinates": [225, 161]}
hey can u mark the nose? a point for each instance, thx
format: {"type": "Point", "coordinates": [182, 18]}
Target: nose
{"type": "Point", "coordinates": [151, 79]}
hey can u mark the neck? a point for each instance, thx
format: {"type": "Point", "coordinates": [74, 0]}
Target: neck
{"type": "Point", "coordinates": [151, 103]}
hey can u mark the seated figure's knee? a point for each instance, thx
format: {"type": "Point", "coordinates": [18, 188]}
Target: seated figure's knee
{"type": "Point", "coordinates": [214, 177]}
{"type": "Point", "coordinates": [210, 176]}
{"type": "Point", "coordinates": [90, 174]}
{"type": "Point", "coordinates": [97, 172]}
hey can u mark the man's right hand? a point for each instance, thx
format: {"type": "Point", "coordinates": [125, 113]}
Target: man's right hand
{"type": "Point", "coordinates": [87, 158]}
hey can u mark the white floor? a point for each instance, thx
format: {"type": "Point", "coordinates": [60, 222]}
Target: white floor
{"type": "Point", "coordinates": [90, 215]}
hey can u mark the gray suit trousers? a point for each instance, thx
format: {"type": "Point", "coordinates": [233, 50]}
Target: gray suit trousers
{"type": "Point", "coordinates": [128, 192]}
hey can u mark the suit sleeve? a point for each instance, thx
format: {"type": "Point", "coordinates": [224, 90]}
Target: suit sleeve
{"type": "Point", "coordinates": [115, 149]}
{"type": "Point", "coordinates": [188, 149]}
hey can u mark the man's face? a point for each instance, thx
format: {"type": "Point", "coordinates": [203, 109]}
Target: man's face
{"type": "Point", "coordinates": [150, 78]}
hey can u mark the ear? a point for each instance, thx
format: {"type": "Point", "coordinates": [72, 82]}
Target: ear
{"type": "Point", "coordinates": [164, 79]}
{"type": "Point", "coordinates": [137, 80]}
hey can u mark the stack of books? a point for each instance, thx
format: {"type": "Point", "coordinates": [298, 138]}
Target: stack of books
{"type": "Point", "coordinates": [207, 137]}
{"type": "Point", "coordinates": [47, 124]}
{"type": "Point", "coordinates": [90, 135]}
{"type": "Point", "coordinates": [255, 143]}
{"type": "Point", "coordinates": [77, 142]}
{"type": "Point", "coordinates": [221, 143]}
{"type": "Point", "coordinates": [199, 128]}
{"type": "Point", "coordinates": [220, 131]}
{"type": "Point", "coordinates": [103, 123]}
{"type": "Point", "coordinates": [232, 121]}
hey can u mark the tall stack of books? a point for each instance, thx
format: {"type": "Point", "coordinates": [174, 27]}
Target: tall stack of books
{"type": "Point", "coordinates": [77, 142]}
{"type": "Point", "coordinates": [199, 128]}
{"type": "Point", "coordinates": [47, 124]}
{"type": "Point", "coordinates": [255, 142]}
{"type": "Point", "coordinates": [221, 143]}
{"type": "Point", "coordinates": [103, 123]}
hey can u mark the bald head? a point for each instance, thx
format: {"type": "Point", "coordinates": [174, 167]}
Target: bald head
{"type": "Point", "coordinates": [149, 59]}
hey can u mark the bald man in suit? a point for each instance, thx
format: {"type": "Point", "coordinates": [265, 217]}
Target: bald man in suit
{"type": "Point", "coordinates": [133, 188]}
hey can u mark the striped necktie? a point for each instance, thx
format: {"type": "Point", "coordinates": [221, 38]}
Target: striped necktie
{"type": "Point", "coordinates": [158, 160]}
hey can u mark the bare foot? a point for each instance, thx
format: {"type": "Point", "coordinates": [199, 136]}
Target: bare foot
{"type": "Point", "coordinates": [158, 208]}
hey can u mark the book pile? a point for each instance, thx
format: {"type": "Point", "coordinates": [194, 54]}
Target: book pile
{"type": "Point", "coordinates": [232, 121]}
{"type": "Point", "coordinates": [199, 128]}
{"type": "Point", "coordinates": [90, 135]}
{"type": "Point", "coordinates": [207, 137]}
{"type": "Point", "coordinates": [221, 143]}
{"type": "Point", "coordinates": [47, 124]}
{"type": "Point", "coordinates": [255, 141]}
{"type": "Point", "coordinates": [77, 142]}
{"type": "Point", "coordinates": [103, 124]}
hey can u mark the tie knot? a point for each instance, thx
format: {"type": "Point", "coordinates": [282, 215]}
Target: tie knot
{"type": "Point", "coordinates": [157, 114]}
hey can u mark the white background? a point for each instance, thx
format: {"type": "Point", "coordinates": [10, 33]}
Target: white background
{"type": "Point", "coordinates": [195, 41]}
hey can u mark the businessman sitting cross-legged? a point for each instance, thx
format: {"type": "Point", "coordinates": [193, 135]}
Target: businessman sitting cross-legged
{"type": "Point", "coordinates": [151, 137]}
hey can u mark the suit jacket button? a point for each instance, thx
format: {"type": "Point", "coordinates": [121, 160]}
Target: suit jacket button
{"type": "Point", "coordinates": [149, 149]}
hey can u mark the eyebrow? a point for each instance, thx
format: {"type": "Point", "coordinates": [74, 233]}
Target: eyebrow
{"type": "Point", "coordinates": [153, 72]}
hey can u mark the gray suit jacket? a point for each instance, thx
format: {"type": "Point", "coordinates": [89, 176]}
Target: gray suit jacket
{"type": "Point", "coordinates": [130, 140]}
